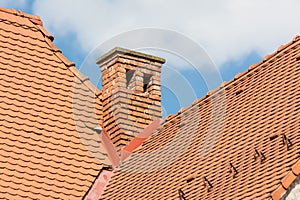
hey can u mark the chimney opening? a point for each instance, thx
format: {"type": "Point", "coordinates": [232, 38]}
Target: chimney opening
{"type": "Point", "coordinates": [129, 75]}
{"type": "Point", "coordinates": [146, 82]}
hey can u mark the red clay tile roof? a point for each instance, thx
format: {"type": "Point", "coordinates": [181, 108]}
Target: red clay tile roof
{"type": "Point", "coordinates": [250, 150]}
{"type": "Point", "coordinates": [47, 112]}
{"type": "Point", "coordinates": [287, 181]}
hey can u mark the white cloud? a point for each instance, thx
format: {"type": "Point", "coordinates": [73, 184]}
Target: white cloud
{"type": "Point", "coordinates": [228, 29]}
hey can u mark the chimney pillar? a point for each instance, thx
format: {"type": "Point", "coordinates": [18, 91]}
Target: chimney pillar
{"type": "Point", "coordinates": [131, 92]}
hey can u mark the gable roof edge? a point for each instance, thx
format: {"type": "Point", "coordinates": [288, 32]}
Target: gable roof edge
{"type": "Point", "coordinates": [236, 78]}
{"type": "Point", "coordinates": [253, 67]}
{"type": "Point", "coordinates": [20, 13]}
{"type": "Point", "coordinates": [70, 65]}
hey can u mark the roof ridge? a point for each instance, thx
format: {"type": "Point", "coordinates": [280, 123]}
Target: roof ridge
{"type": "Point", "coordinates": [36, 20]}
{"type": "Point", "coordinates": [70, 65]}
{"type": "Point", "coordinates": [236, 78]}
{"type": "Point", "coordinates": [251, 68]}
{"type": "Point", "coordinates": [20, 13]}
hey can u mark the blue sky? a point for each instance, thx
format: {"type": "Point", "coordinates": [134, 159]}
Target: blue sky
{"type": "Point", "coordinates": [232, 34]}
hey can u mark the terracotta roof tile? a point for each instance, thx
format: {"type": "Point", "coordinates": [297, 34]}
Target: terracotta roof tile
{"type": "Point", "coordinates": [286, 182]}
{"type": "Point", "coordinates": [288, 179]}
{"type": "Point", "coordinates": [47, 146]}
{"type": "Point", "coordinates": [277, 194]}
{"type": "Point", "coordinates": [267, 104]}
{"type": "Point", "coordinates": [296, 168]}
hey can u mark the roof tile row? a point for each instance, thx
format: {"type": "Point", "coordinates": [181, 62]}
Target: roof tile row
{"type": "Point", "coordinates": [230, 126]}
{"type": "Point", "coordinates": [47, 146]}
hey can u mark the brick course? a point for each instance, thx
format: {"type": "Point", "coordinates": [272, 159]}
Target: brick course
{"type": "Point", "coordinates": [131, 92]}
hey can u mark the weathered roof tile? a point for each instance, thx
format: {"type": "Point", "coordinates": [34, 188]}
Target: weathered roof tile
{"type": "Point", "coordinates": [204, 139]}
{"type": "Point", "coordinates": [45, 149]}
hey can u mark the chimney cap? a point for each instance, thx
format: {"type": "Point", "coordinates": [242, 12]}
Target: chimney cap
{"type": "Point", "coordinates": [120, 50]}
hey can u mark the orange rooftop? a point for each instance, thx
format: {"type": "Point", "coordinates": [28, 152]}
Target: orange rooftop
{"type": "Point", "coordinates": [62, 138]}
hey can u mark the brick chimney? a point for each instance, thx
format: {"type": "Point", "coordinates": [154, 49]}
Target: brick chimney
{"type": "Point", "coordinates": [131, 92]}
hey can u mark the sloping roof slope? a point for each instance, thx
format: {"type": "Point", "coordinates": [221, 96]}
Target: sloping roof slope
{"type": "Point", "coordinates": [240, 141]}
{"type": "Point", "coordinates": [47, 111]}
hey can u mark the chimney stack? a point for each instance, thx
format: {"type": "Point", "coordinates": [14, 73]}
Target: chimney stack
{"type": "Point", "coordinates": [131, 92]}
